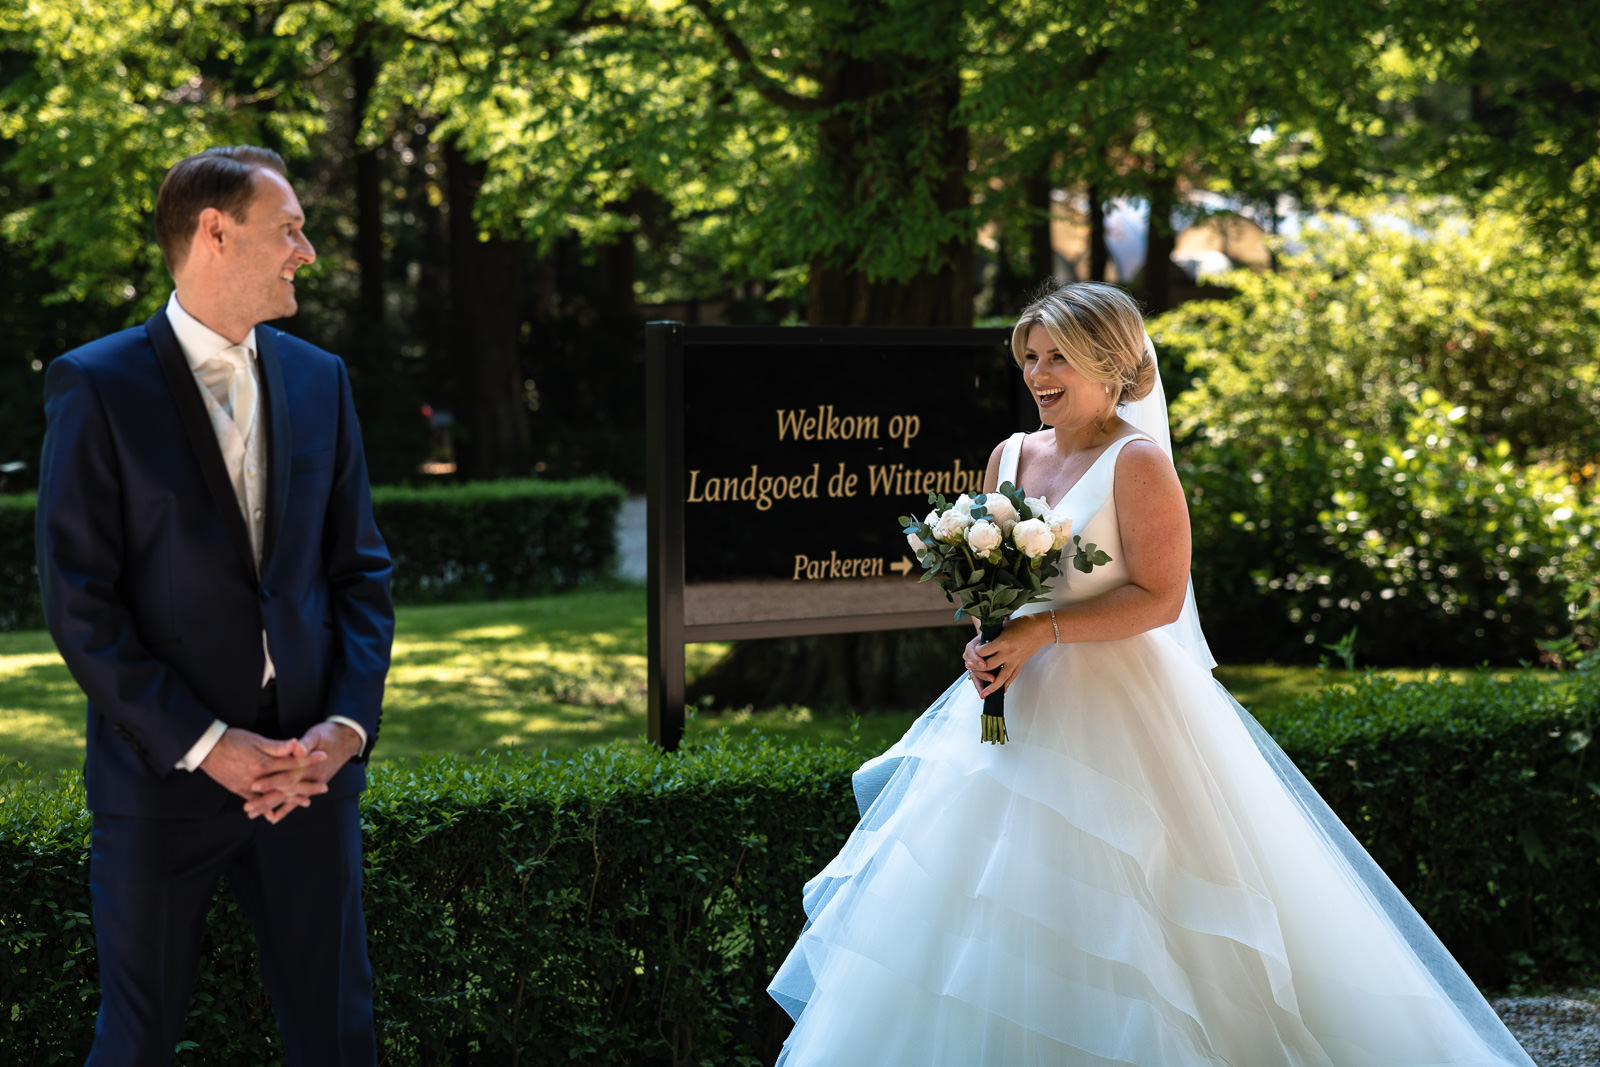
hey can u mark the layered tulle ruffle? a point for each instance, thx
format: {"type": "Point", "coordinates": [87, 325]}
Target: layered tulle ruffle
{"type": "Point", "coordinates": [1128, 881]}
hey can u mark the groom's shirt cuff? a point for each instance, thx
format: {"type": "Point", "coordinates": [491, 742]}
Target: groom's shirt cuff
{"type": "Point", "coordinates": [357, 727]}
{"type": "Point", "coordinates": [202, 748]}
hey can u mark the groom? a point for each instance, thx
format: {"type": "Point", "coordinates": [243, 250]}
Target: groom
{"type": "Point", "coordinates": [215, 582]}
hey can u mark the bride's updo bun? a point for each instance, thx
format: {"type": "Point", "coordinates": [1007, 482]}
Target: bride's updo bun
{"type": "Point", "coordinates": [1099, 331]}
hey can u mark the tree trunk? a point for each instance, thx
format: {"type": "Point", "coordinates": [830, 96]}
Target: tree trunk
{"type": "Point", "coordinates": [1041, 251]}
{"type": "Point", "coordinates": [941, 295]}
{"type": "Point", "coordinates": [486, 309]}
{"type": "Point", "coordinates": [369, 347]}
{"type": "Point", "coordinates": [1099, 254]}
{"type": "Point", "coordinates": [1160, 240]}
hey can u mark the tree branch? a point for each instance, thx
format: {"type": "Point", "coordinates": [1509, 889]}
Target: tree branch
{"type": "Point", "coordinates": [757, 79]}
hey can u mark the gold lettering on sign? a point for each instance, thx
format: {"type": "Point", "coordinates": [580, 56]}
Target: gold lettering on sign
{"type": "Point", "coordinates": [825, 425]}
{"type": "Point", "coordinates": [799, 424]}
{"type": "Point", "coordinates": [808, 569]}
{"type": "Point", "coordinates": [896, 479]}
{"type": "Point", "coordinates": [756, 488]}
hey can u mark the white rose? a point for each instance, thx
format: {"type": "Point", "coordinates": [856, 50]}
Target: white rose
{"type": "Point", "coordinates": [1002, 512]}
{"type": "Point", "coordinates": [1038, 505]}
{"type": "Point", "coordinates": [916, 543]}
{"type": "Point", "coordinates": [1033, 537]}
{"type": "Point", "coordinates": [1061, 530]}
{"type": "Point", "coordinates": [984, 537]}
{"type": "Point", "coordinates": [963, 504]}
{"type": "Point", "coordinates": [951, 526]}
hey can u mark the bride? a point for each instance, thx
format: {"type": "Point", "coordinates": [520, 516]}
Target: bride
{"type": "Point", "coordinates": [1140, 876]}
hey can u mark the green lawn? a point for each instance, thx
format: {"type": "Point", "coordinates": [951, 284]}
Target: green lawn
{"type": "Point", "coordinates": [554, 674]}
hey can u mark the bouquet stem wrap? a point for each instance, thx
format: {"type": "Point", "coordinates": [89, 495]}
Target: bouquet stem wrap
{"type": "Point", "coordinates": [994, 705]}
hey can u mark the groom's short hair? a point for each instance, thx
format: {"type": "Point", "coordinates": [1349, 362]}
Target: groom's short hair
{"type": "Point", "coordinates": [218, 177]}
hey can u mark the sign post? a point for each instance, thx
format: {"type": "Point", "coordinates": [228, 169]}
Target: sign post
{"type": "Point", "coordinates": [779, 459]}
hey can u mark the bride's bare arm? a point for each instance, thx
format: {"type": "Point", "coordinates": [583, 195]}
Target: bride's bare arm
{"type": "Point", "coordinates": [1153, 520]}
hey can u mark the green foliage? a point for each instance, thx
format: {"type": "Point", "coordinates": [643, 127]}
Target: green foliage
{"type": "Point", "coordinates": [477, 541]}
{"type": "Point", "coordinates": [1381, 435]}
{"type": "Point", "coordinates": [1480, 800]}
{"type": "Point", "coordinates": [1497, 98]}
{"type": "Point", "coordinates": [626, 907]}
{"type": "Point", "coordinates": [1386, 302]}
{"type": "Point", "coordinates": [1580, 648]}
{"type": "Point", "coordinates": [485, 540]}
{"type": "Point", "coordinates": [105, 97]}
{"type": "Point", "coordinates": [19, 578]}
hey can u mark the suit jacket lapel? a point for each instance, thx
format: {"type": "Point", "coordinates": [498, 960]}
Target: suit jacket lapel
{"type": "Point", "coordinates": [202, 435]}
{"type": "Point", "coordinates": [280, 446]}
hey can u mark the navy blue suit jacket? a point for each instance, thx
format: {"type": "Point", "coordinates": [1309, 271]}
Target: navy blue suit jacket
{"type": "Point", "coordinates": [146, 569]}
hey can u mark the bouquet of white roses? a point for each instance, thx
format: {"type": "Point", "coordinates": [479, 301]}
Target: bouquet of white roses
{"type": "Point", "coordinates": [994, 551]}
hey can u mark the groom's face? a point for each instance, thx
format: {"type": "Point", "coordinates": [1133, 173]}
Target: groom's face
{"type": "Point", "coordinates": [267, 248]}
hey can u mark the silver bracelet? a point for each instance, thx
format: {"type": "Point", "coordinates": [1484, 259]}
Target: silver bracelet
{"type": "Point", "coordinates": [1054, 627]}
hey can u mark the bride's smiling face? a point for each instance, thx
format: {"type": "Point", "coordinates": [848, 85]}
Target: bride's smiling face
{"type": "Point", "coordinates": [1065, 397]}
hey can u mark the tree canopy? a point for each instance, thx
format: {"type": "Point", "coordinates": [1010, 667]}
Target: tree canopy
{"type": "Point", "coordinates": [482, 173]}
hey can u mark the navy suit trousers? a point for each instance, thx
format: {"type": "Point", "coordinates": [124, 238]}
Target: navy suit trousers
{"type": "Point", "coordinates": [299, 883]}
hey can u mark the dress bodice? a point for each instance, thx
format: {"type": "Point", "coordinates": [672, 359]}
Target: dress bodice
{"type": "Point", "coordinates": [1091, 506]}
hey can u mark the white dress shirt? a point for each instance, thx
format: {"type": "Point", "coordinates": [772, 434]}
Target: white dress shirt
{"type": "Point", "coordinates": [242, 439]}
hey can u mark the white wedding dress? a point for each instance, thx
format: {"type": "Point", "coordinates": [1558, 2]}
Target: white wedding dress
{"type": "Point", "coordinates": [1139, 877]}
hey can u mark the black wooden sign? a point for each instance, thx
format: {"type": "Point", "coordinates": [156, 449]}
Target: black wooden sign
{"type": "Point", "coordinates": [780, 459]}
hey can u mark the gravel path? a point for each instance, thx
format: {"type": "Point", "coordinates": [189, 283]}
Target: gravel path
{"type": "Point", "coordinates": [1558, 1030]}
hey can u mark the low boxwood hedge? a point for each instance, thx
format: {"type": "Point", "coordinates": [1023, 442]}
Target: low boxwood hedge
{"type": "Point", "coordinates": [628, 908]}
{"type": "Point", "coordinates": [487, 540]}
{"type": "Point", "coordinates": [475, 541]}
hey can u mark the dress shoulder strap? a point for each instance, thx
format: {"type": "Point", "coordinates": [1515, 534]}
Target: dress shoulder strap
{"type": "Point", "coordinates": [1116, 446]}
{"type": "Point", "coordinates": [1010, 457]}
{"type": "Point", "coordinates": [1094, 488]}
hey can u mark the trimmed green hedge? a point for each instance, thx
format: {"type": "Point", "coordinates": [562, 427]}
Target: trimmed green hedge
{"type": "Point", "coordinates": [488, 540]}
{"type": "Point", "coordinates": [620, 908]}
{"type": "Point", "coordinates": [477, 541]}
{"type": "Point", "coordinates": [629, 908]}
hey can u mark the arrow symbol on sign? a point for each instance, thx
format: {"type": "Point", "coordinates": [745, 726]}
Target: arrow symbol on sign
{"type": "Point", "coordinates": [903, 567]}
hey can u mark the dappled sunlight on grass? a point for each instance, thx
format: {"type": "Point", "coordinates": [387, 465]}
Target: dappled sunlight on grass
{"type": "Point", "coordinates": [15, 665]}
{"type": "Point", "coordinates": [490, 634]}
{"type": "Point", "coordinates": [555, 674]}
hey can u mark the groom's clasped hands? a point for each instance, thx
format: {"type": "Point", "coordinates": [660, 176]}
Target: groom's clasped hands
{"type": "Point", "coordinates": [275, 777]}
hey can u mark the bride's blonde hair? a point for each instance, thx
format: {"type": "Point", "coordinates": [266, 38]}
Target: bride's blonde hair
{"type": "Point", "coordinates": [1098, 330]}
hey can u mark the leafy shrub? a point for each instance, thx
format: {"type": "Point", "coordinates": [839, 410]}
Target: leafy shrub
{"type": "Point", "coordinates": [1397, 430]}
{"type": "Point", "coordinates": [478, 541]}
{"type": "Point", "coordinates": [485, 540]}
{"type": "Point", "coordinates": [629, 908]}
{"type": "Point", "coordinates": [1438, 548]}
{"type": "Point", "coordinates": [1385, 302]}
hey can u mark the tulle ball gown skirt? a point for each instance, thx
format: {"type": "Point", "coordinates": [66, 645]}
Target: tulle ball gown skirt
{"type": "Point", "coordinates": [1138, 877]}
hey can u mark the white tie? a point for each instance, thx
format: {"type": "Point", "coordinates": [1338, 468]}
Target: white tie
{"type": "Point", "coordinates": [232, 381]}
